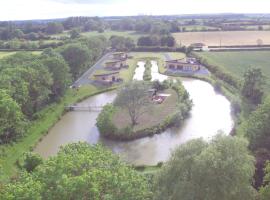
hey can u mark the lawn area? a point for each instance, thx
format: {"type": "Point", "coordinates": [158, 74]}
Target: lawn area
{"type": "Point", "coordinates": [154, 116]}
{"type": "Point", "coordinates": [49, 116]}
{"type": "Point", "coordinates": [9, 53]}
{"type": "Point", "coordinates": [107, 33]}
{"type": "Point", "coordinates": [237, 62]}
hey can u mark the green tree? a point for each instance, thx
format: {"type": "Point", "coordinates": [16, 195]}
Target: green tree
{"type": "Point", "coordinates": [74, 33]}
{"type": "Point", "coordinates": [265, 189]}
{"type": "Point", "coordinates": [253, 85]}
{"type": "Point", "coordinates": [54, 28]}
{"type": "Point", "coordinates": [256, 127]}
{"type": "Point", "coordinates": [80, 171]}
{"type": "Point", "coordinates": [60, 75]}
{"type": "Point", "coordinates": [12, 121]}
{"type": "Point", "coordinates": [31, 161]}
{"type": "Point", "coordinates": [134, 97]}
{"type": "Point", "coordinates": [221, 169]}
{"type": "Point", "coordinates": [78, 57]}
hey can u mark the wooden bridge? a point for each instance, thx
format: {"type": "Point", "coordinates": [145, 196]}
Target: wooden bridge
{"type": "Point", "coordinates": [84, 107]}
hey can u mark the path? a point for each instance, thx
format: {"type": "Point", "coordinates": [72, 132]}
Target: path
{"type": "Point", "coordinates": [84, 79]}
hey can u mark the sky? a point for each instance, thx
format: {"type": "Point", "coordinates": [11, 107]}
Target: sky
{"type": "Point", "coordinates": [48, 9]}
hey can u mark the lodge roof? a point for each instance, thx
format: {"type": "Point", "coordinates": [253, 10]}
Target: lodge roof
{"type": "Point", "coordinates": [106, 74]}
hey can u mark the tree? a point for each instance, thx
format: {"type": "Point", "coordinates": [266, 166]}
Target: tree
{"type": "Point", "coordinates": [253, 85]}
{"type": "Point", "coordinates": [12, 121]}
{"type": "Point", "coordinates": [77, 56]}
{"type": "Point", "coordinates": [74, 33]}
{"type": "Point", "coordinates": [80, 171]}
{"type": "Point", "coordinates": [54, 28]}
{"type": "Point", "coordinates": [134, 97]}
{"type": "Point", "coordinates": [256, 127]}
{"type": "Point", "coordinates": [31, 161]}
{"type": "Point", "coordinates": [265, 190]}
{"type": "Point", "coordinates": [259, 42]}
{"type": "Point", "coordinates": [60, 74]}
{"type": "Point", "coordinates": [221, 169]}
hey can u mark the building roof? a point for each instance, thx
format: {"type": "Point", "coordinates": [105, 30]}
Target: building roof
{"type": "Point", "coordinates": [113, 61]}
{"type": "Point", "coordinates": [119, 53]}
{"type": "Point", "coordinates": [106, 74]}
{"type": "Point", "coordinates": [198, 44]}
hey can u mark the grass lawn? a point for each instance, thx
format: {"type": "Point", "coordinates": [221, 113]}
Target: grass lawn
{"type": "Point", "coordinates": [155, 115]}
{"type": "Point", "coordinates": [49, 116]}
{"type": "Point", "coordinates": [237, 62]}
{"type": "Point", "coordinates": [9, 53]}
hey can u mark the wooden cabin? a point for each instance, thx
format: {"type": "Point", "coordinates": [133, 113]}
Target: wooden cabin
{"type": "Point", "coordinates": [186, 65]}
{"type": "Point", "coordinates": [110, 77]}
{"type": "Point", "coordinates": [115, 64]}
{"type": "Point", "coordinates": [120, 55]}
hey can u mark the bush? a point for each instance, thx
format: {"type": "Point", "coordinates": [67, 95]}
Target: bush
{"type": "Point", "coordinates": [104, 121]}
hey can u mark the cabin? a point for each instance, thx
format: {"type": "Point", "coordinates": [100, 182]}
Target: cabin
{"type": "Point", "coordinates": [120, 55]}
{"type": "Point", "coordinates": [199, 46]}
{"type": "Point", "coordinates": [107, 78]}
{"type": "Point", "coordinates": [185, 65]}
{"type": "Point", "coordinates": [115, 64]}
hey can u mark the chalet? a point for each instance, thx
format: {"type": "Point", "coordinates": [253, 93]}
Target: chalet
{"type": "Point", "coordinates": [199, 46]}
{"type": "Point", "coordinates": [115, 64]}
{"type": "Point", "coordinates": [120, 55]}
{"type": "Point", "coordinates": [185, 64]}
{"type": "Point", "coordinates": [107, 78]}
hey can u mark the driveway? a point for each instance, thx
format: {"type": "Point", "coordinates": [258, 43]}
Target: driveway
{"type": "Point", "coordinates": [84, 79]}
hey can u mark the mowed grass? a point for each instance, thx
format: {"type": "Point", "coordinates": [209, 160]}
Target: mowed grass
{"type": "Point", "coordinates": [238, 62]}
{"type": "Point", "coordinates": [223, 37]}
{"type": "Point", "coordinates": [156, 113]}
{"type": "Point", "coordinates": [9, 53]}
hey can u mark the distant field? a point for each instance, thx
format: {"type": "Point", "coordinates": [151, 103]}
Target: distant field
{"type": "Point", "coordinates": [9, 53]}
{"type": "Point", "coordinates": [108, 34]}
{"type": "Point", "coordinates": [238, 62]}
{"type": "Point", "coordinates": [223, 37]}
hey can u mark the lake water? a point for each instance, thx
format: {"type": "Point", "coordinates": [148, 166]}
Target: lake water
{"type": "Point", "coordinates": [210, 114]}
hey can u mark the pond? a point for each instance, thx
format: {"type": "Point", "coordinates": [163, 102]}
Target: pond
{"type": "Point", "coordinates": [210, 114]}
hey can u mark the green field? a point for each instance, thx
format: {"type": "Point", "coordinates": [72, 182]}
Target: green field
{"type": "Point", "coordinates": [237, 62]}
{"type": "Point", "coordinates": [9, 53]}
{"type": "Point", "coordinates": [108, 34]}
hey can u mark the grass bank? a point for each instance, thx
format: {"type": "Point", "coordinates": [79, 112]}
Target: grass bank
{"type": "Point", "coordinates": [48, 117]}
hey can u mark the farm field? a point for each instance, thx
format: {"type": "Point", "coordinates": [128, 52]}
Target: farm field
{"type": "Point", "coordinates": [238, 62]}
{"type": "Point", "coordinates": [223, 38]}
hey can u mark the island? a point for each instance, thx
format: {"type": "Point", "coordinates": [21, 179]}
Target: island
{"type": "Point", "coordinates": [143, 109]}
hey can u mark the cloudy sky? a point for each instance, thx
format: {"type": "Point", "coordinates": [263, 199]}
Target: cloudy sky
{"type": "Point", "coordinates": [45, 9]}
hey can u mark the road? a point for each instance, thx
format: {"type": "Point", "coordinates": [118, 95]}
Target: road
{"type": "Point", "coordinates": [84, 79]}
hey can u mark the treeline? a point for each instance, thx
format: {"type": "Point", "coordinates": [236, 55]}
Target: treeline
{"type": "Point", "coordinates": [83, 171]}
{"type": "Point", "coordinates": [29, 82]}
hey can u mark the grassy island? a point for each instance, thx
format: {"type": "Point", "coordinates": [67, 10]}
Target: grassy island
{"type": "Point", "coordinates": [143, 109]}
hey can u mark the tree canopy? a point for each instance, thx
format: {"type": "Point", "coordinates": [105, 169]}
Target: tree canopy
{"type": "Point", "coordinates": [221, 169]}
{"type": "Point", "coordinates": [80, 171]}
{"type": "Point", "coordinates": [12, 121]}
{"type": "Point", "coordinates": [253, 85]}
{"type": "Point", "coordinates": [134, 97]}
